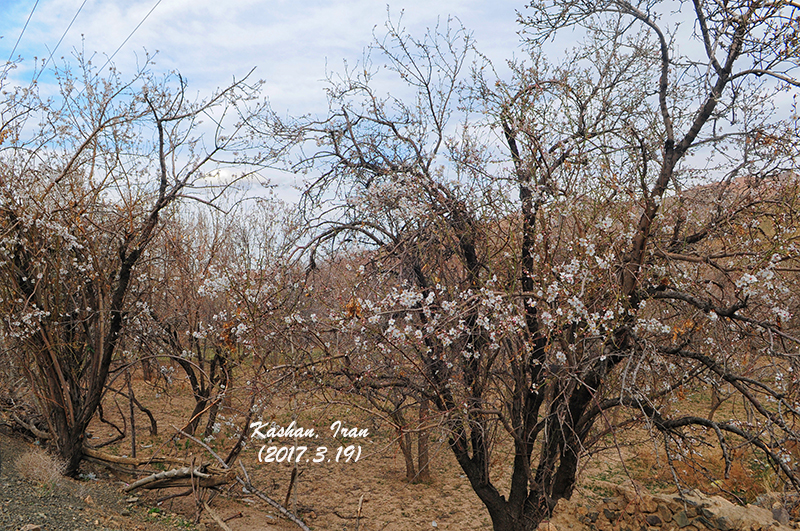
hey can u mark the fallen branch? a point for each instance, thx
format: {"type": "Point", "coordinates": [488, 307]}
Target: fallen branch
{"type": "Point", "coordinates": [281, 509]}
{"type": "Point", "coordinates": [117, 468]}
{"type": "Point", "coordinates": [30, 427]}
{"type": "Point", "coordinates": [205, 483]}
{"type": "Point", "coordinates": [177, 473]}
{"type": "Point", "coordinates": [237, 515]}
{"type": "Point", "coordinates": [220, 522]}
{"type": "Point", "coordinates": [144, 461]}
{"type": "Point", "coordinates": [92, 452]}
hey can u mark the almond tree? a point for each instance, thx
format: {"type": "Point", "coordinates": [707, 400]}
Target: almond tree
{"type": "Point", "coordinates": [87, 177]}
{"type": "Point", "coordinates": [533, 282]}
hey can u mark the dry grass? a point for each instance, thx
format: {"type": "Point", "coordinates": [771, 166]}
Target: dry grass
{"type": "Point", "coordinates": [41, 467]}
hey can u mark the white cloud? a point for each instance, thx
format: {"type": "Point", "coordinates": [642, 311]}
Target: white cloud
{"type": "Point", "coordinates": [211, 41]}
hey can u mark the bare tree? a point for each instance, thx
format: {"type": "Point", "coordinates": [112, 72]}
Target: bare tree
{"type": "Point", "coordinates": [580, 269]}
{"type": "Point", "coordinates": [84, 191]}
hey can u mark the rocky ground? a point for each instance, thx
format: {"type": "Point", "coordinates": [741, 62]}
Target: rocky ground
{"type": "Point", "coordinates": [33, 497]}
{"type": "Point", "coordinates": [634, 508]}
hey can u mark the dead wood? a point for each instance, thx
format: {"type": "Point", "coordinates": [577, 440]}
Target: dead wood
{"type": "Point", "coordinates": [283, 510]}
{"type": "Point", "coordinates": [220, 522]}
{"type": "Point", "coordinates": [30, 427]}
{"type": "Point", "coordinates": [171, 477]}
{"type": "Point", "coordinates": [143, 461]}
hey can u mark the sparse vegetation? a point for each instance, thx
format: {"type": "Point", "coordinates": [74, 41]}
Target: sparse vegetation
{"type": "Point", "coordinates": [41, 467]}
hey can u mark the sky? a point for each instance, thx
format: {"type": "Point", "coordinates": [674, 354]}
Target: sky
{"type": "Point", "coordinates": [210, 41]}
{"type": "Point", "coordinates": [291, 45]}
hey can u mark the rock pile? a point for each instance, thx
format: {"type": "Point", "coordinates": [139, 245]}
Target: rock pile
{"type": "Point", "coordinates": [635, 509]}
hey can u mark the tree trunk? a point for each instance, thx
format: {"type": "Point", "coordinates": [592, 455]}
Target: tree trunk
{"type": "Point", "coordinates": [423, 438]}
{"type": "Point", "coordinates": [406, 446]}
{"type": "Point", "coordinates": [68, 439]}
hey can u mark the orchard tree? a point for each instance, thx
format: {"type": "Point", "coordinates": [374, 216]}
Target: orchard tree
{"type": "Point", "coordinates": [87, 178]}
{"type": "Point", "coordinates": [211, 298]}
{"type": "Point", "coordinates": [598, 236]}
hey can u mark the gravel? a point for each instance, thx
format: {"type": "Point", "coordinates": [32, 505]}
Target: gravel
{"type": "Point", "coordinates": [63, 504]}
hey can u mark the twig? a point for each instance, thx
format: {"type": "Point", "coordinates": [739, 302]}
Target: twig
{"type": "Point", "coordinates": [204, 445]}
{"type": "Point", "coordinates": [246, 477]}
{"type": "Point", "coordinates": [291, 484]}
{"type": "Point", "coordinates": [199, 502]}
{"type": "Point", "coordinates": [237, 515]}
{"type": "Point", "coordinates": [283, 510]}
{"type": "Point", "coordinates": [91, 452]}
{"type": "Point", "coordinates": [237, 448]}
{"type": "Point", "coordinates": [220, 522]}
{"type": "Point", "coordinates": [133, 417]}
{"type": "Point", "coordinates": [358, 514]}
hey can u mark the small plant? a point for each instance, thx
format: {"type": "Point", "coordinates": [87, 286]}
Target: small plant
{"type": "Point", "coordinates": [41, 467]}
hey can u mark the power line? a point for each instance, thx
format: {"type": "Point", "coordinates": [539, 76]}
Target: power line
{"type": "Point", "coordinates": [21, 33]}
{"type": "Point", "coordinates": [128, 37]}
{"type": "Point", "coordinates": [115, 51]}
{"type": "Point", "coordinates": [63, 35]}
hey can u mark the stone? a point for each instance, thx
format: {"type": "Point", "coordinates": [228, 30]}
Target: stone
{"type": "Point", "coordinates": [546, 526]}
{"type": "Point", "coordinates": [648, 504]}
{"type": "Point", "coordinates": [724, 524]}
{"type": "Point", "coordinates": [681, 518]}
{"type": "Point", "coordinates": [701, 525]}
{"type": "Point", "coordinates": [31, 527]}
{"type": "Point", "coordinates": [125, 512]}
{"type": "Point", "coordinates": [779, 513]}
{"type": "Point", "coordinates": [705, 522]}
{"type": "Point", "coordinates": [664, 512]}
{"type": "Point", "coordinates": [653, 519]}
{"type": "Point", "coordinates": [610, 515]}
{"type": "Point", "coordinates": [675, 504]}
{"type": "Point", "coordinates": [613, 503]}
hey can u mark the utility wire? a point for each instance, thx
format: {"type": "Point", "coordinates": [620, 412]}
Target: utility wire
{"type": "Point", "coordinates": [115, 51]}
{"type": "Point", "coordinates": [128, 37]}
{"type": "Point", "coordinates": [62, 36]}
{"type": "Point", "coordinates": [21, 33]}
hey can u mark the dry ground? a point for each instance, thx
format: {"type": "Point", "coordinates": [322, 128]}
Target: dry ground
{"type": "Point", "coordinates": [327, 495]}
